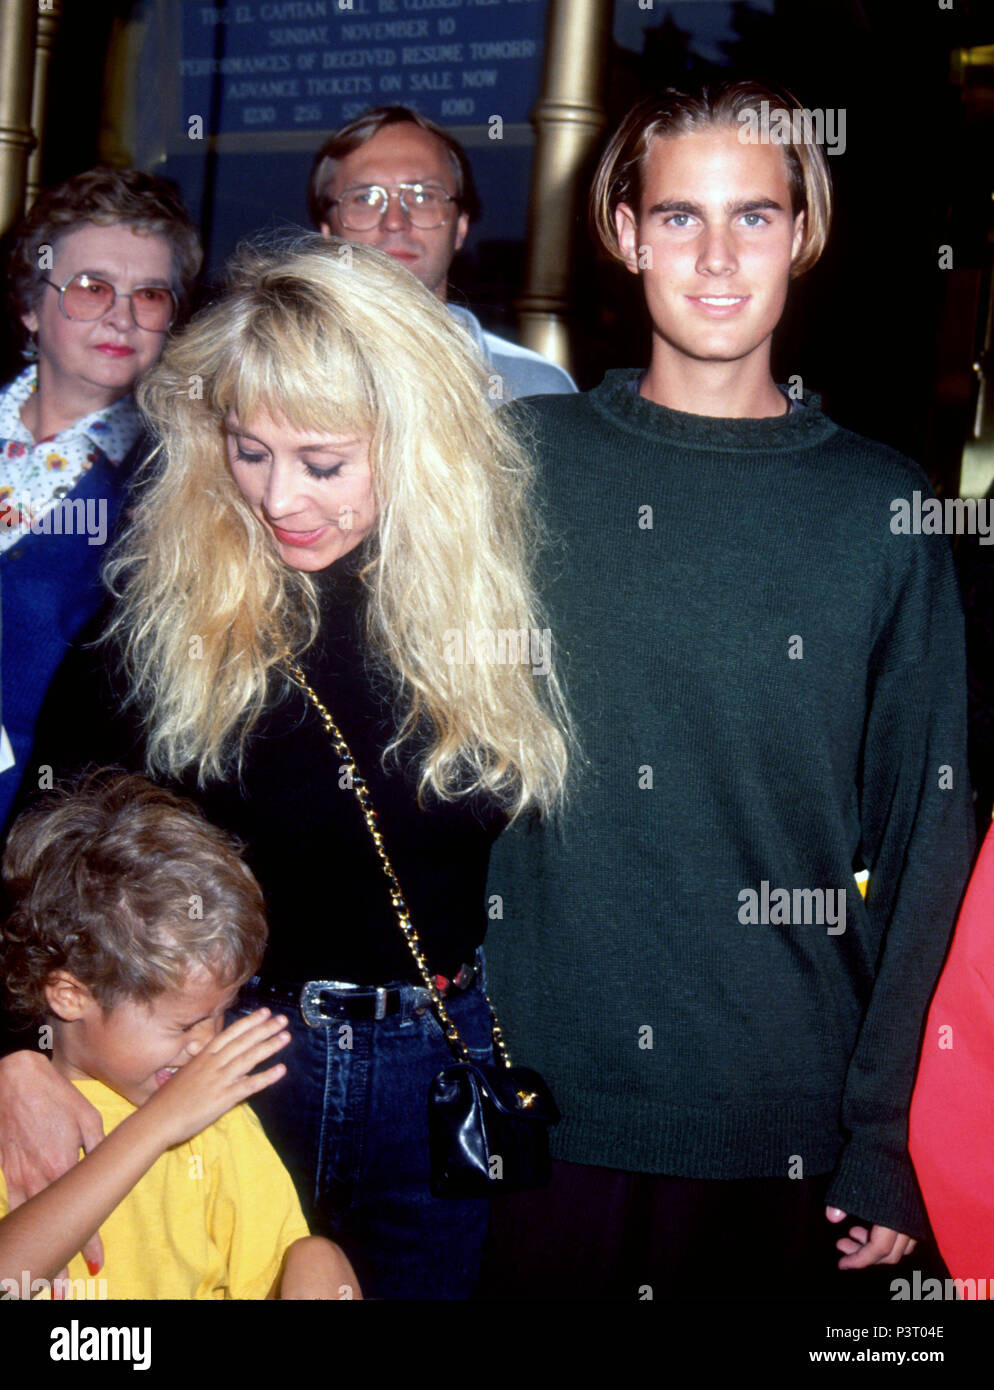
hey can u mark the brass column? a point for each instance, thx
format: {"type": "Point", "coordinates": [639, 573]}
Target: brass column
{"type": "Point", "coordinates": [17, 60]}
{"type": "Point", "coordinates": [567, 120]}
{"type": "Point", "coordinates": [49, 15]}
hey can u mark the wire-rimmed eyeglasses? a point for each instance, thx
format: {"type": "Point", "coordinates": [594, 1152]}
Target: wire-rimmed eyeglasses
{"type": "Point", "coordinates": [425, 205]}
{"type": "Point", "coordinates": [87, 298]}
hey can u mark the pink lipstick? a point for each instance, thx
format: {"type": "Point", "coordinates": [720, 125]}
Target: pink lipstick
{"type": "Point", "coordinates": [299, 538]}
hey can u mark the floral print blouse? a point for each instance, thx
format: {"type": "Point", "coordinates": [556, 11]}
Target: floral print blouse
{"type": "Point", "coordinates": [35, 476]}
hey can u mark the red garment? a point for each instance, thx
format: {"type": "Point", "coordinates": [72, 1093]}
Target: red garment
{"type": "Point", "coordinates": [952, 1111]}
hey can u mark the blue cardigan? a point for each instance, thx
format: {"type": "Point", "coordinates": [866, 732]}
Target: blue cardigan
{"type": "Point", "coordinates": [49, 588]}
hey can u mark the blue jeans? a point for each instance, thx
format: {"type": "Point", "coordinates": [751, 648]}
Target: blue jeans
{"type": "Point", "coordinates": [350, 1121]}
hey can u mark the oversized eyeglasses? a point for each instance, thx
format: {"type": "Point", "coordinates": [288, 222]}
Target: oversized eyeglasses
{"type": "Point", "coordinates": [153, 307]}
{"type": "Point", "coordinates": [425, 205]}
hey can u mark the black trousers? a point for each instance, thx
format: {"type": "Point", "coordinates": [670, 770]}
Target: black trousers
{"type": "Point", "coordinates": [596, 1233]}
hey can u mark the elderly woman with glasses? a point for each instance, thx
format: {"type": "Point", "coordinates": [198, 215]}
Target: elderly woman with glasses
{"type": "Point", "coordinates": [99, 270]}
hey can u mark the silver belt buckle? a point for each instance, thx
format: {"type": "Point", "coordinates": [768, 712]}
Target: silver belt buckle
{"type": "Point", "coordinates": [310, 1005]}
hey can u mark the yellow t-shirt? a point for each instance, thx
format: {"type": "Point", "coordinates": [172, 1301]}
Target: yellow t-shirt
{"type": "Point", "coordinates": [212, 1218]}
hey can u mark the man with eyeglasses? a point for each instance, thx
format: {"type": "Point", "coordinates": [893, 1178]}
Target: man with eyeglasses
{"type": "Point", "coordinates": [395, 181]}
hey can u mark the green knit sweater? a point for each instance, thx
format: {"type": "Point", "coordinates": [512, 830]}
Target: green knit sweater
{"type": "Point", "coordinates": [770, 694]}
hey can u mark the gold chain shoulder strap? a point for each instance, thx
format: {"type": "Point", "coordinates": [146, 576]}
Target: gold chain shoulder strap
{"type": "Point", "coordinates": [407, 927]}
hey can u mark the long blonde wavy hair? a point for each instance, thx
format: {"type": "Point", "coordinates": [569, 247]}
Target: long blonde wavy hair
{"type": "Point", "coordinates": [328, 336]}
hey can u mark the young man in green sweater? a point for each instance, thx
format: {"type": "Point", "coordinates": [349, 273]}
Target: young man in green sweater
{"type": "Point", "coordinates": [769, 690]}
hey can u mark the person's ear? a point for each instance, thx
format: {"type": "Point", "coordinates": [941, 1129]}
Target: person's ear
{"type": "Point", "coordinates": [67, 997]}
{"type": "Point", "coordinates": [325, 229]}
{"type": "Point", "coordinates": [462, 228]}
{"type": "Point", "coordinates": [30, 321]}
{"type": "Point", "coordinates": [626, 227]}
{"type": "Point", "coordinates": [800, 236]}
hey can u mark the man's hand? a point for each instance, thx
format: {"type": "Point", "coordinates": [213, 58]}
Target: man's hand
{"type": "Point", "coordinates": [44, 1122]}
{"type": "Point", "coordinates": [878, 1246]}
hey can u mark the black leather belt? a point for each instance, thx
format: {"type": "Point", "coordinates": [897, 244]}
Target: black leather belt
{"type": "Point", "coordinates": [322, 1000]}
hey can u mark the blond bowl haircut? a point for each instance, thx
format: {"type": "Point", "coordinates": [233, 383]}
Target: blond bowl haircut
{"type": "Point", "coordinates": [332, 337]}
{"type": "Point", "coordinates": [671, 113]}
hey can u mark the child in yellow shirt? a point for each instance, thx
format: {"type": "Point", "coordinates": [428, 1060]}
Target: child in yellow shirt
{"type": "Point", "coordinates": [133, 925]}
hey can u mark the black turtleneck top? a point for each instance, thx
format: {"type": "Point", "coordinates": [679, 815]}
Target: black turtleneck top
{"type": "Point", "coordinates": [306, 839]}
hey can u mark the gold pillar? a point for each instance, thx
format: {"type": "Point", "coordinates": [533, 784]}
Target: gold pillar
{"type": "Point", "coordinates": [49, 15]}
{"type": "Point", "coordinates": [17, 61]}
{"type": "Point", "coordinates": [567, 120]}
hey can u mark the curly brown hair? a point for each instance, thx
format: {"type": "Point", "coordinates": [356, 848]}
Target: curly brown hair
{"type": "Point", "coordinates": [127, 887]}
{"type": "Point", "coordinates": [106, 198]}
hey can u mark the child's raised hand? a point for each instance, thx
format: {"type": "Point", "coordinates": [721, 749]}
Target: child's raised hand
{"type": "Point", "coordinates": [218, 1078]}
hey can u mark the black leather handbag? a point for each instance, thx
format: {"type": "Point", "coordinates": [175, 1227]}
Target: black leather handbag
{"type": "Point", "coordinates": [488, 1130]}
{"type": "Point", "coordinates": [488, 1126]}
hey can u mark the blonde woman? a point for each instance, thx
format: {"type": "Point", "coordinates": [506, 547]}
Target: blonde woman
{"type": "Point", "coordinates": [332, 488]}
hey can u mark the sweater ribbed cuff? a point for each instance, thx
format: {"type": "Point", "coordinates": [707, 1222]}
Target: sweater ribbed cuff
{"type": "Point", "coordinates": [879, 1187]}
